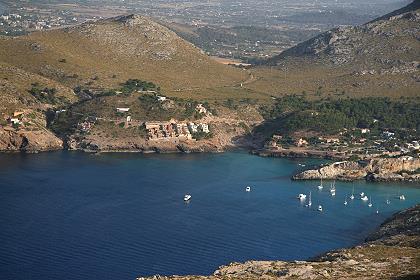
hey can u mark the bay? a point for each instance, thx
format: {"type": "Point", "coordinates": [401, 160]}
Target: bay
{"type": "Point", "coordinates": [118, 216]}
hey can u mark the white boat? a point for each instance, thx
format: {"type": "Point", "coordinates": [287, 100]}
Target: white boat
{"type": "Point", "coordinates": [187, 197]}
{"type": "Point", "coordinates": [301, 196]}
{"type": "Point", "coordinates": [320, 208]}
{"type": "Point", "coordinates": [332, 189]}
{"type": "Point", "coordinates": [300, 164]}
{"type": "Point", "coordinates": [352, 194]}
{"type": "Point", "coordinates": [370, 202]}
{"type": "Point", "coordinates": [310, 200]}
{"type": "Point", "coordinates": [248, 189]}
{"type": "Point", "coordinates": [365, 198]}
{"type": "Point", "coordinates": [320, 187]}
{"type": "Point", "coordinates": [362, 194]}
{"type": "Point", "coordinates": [388, 201]}
{"type": "Point", "coordinates": [345, 201]}
{"type": "Point", "coordinates": [400, 196]}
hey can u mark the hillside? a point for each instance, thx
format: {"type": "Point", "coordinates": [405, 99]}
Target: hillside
{"type": "Point", "coordinates": [59, 69]}
{"type": "Point", "coordinates": [107, 52]}
{"type": "Point", "coordinates": [379, 58]}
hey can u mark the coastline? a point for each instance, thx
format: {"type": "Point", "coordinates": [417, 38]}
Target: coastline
{"type": "Point", "coordinates": [390, 252]}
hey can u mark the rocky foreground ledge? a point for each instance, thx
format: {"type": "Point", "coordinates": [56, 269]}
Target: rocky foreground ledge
{"type": "Point", "coordinates": [392, 252]}
{"type": "Point", "coordinates": [380, 169]}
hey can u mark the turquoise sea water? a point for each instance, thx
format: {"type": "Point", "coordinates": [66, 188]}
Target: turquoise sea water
{"type": "Point", "coordinates": [70, 215]}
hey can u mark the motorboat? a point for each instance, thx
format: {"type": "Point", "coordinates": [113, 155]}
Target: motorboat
{"type": "Point", "coordinates": [402, 197]}
{"type": "Point", "coordinates": [365, 198]}
{"type": "Point", "coordinates": [301, 196]}
{"type": "Point", "coordinates": [187, 197]}
{"type": "Point", "coordinates": [320, 208]}
{"type": "Point", "coordinates": [370, 202]}
{"type": "Point", "coordinates": [248, 189]}
{"type": "Point", "coordinates": [345, 202]}
{"type": "Point", "coordinates": [362, 194]}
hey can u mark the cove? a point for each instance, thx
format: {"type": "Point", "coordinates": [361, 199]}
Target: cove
{"type": "Point", "coordinates": [118, 216]}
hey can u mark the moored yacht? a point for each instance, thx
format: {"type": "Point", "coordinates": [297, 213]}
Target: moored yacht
{"type": "Point", "coordinates": [320, 208]}
{"type": "Point", "coordinates": [352, 193]}
{"type": "Point", "coordinates": [248, 189]}
{"type": "Point", "coordinates": [332, 189]}
{"type": "Point", "coordinates": [320, 187]}
{"type": "Point", "coordinates": [310, 200]}
{"type": "Point", "coordinates": [365, 198]}
{"type": "Point", "coordinates": [301, 196]}
{"type": "Point", "coordinates": [187, 197]}
{"type": "Point", "coordinates": [370, 202]}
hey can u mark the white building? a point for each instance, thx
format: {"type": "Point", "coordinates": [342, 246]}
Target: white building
{"type": "Point", "coordinates": [201, 109]}
{"type": "Point", "coordinates": [161, 98]}
{"type": "Point", "coordinates": [193, 127]}
{"type": "Point", "coordinates": [123, 110]}
{"type": "Point", "coordinates": [204, 127]}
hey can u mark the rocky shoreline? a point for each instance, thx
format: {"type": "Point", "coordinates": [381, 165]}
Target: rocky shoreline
{"type": "Point", "coordinates": [402, 169]}
{"type": "Point", "coordinates": [392, 252]}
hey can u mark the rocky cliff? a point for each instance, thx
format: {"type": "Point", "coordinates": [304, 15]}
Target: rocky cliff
{"type": "Point", "coordinates": [381, 257]}
{"type": "Point", "coordinates": [382, 169]}
{"type": "Point", "coordinates": [12, 140]}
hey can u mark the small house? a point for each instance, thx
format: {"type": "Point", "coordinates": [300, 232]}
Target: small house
{"type": "Point", "coordinates": [123, 110]}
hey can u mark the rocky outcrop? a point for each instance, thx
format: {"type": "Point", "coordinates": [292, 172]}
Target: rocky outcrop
{"type": "Point", "coordinates": [383, 169]}
{"type": "Point", "coordinates": [390, 253]}
{"type": "Point", "coordinates": [401, 229]}
{"type": "Point", "coordinates": [12, 140]}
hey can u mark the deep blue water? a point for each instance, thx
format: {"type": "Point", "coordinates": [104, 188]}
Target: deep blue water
{"type": "Point", "coordinates": [69, 215]}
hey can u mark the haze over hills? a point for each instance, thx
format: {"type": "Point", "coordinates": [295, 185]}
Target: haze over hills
{"type": "Point", "coordinates": [378, 58]}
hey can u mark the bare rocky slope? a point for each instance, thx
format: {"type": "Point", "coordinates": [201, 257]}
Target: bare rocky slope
{"type": "Point", "coordinates": [394, 36]}
{"type": "Point", "coordinates": [379, 58]}
{"type": "Point", "coordinates": [392, 252]}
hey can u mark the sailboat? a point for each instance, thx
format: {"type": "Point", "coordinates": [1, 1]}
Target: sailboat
{"type": "Point", "coordinates": [370, 202]}
{"type": "Point", "coordinates": [320, 187]}
{"type": "Point", "coordinates": [352, 193]}
{"type": "Point", "coordinates": [332, 189]}
{"type": "Point", "coordinates": [310, 200]}
{"type": "Point", "coordinates": [400, 196]}
{"type": "Point", "coordinates": [387, 200]}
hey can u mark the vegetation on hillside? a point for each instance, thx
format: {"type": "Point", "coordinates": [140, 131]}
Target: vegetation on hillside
{"type": "Point", "coordinates": [292, 113]}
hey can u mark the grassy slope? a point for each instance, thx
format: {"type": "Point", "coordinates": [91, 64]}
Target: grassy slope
{"type": "Point", "coordinates": [113, 52]}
